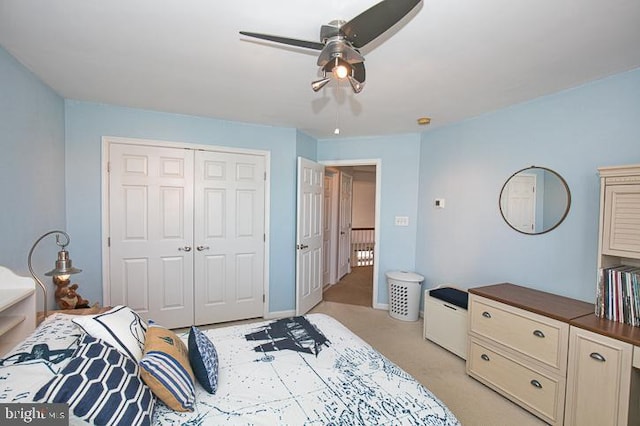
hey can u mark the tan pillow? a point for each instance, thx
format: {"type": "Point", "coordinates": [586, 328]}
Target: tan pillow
{"type": "Point", "coordinates": [165, 368]}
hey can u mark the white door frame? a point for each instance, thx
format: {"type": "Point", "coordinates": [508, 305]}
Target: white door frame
{"type": "Point", "coordinates": [378, 163]}
{"type": "Point", "coordinates": [108, 140]}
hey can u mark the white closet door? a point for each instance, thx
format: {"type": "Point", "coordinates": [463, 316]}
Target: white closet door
{"type": "Point", "coordinates": [229, 236]}
{"type": "Point", "coordinates": [151, 231]}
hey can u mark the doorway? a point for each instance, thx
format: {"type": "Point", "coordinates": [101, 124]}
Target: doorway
{"type": "Point", "coordinates": [356, 284]}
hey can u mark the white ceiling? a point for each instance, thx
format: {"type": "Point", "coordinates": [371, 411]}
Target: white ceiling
{"type": "Point", "coordinates": [449, 59]}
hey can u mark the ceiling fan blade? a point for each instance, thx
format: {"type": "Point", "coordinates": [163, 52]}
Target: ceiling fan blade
{"type": "Point", "coordinates": [284, 40]}
{"type": "Point", "coordinates": [377, 19]}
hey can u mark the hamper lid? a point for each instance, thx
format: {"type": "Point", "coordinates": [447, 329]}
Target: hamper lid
{"type": "Point", "coordinates": [405, 276]}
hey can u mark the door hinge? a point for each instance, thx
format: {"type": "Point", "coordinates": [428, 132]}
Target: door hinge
{"type": "Point", "coordinates": [108, 166]}
{"type": "Point", "coordinates": [264, 238]}
{"type": "Point", "coordinates": [265, 176]}
{"type": "Point", "coordinates": [108, 241]}
{"type": "Point", "coordinates": [264, 298]}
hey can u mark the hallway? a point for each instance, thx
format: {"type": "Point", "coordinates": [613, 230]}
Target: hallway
{"type": "Point", "coordinates": [355, 288]}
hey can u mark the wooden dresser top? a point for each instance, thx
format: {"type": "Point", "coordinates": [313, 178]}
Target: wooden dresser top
{"type": "Point", "coordinates": [550, 305]}
{"type": "Point", "coordinates": [617, 330]}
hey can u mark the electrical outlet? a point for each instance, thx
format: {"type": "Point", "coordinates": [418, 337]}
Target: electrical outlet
{"type": "Point", "coordinates": [402, 220]}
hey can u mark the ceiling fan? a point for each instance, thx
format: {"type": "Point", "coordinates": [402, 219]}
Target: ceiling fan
{"type": "Point", "coordinates": [340, 41]}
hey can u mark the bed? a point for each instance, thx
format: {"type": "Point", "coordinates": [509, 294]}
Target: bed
{"type": "Point", "coordinates": [307, 370]}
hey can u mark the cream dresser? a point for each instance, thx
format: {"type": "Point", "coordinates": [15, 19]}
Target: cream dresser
{"type": "Point", "coordinates": [519, 344]}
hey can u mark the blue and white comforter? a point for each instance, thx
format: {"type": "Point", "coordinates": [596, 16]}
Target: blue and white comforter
{"type": "Point", "coordinates": [298, 371]}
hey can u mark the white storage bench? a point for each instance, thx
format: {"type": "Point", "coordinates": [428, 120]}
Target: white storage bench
{"type": "Point", "coordinates": [445, 318]}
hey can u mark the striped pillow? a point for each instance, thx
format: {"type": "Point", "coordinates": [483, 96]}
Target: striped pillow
{"type": "Point", "coordinates": [165, 368]}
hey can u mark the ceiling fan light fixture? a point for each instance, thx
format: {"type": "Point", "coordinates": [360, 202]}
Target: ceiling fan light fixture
{"type": "Point", "coordinates": [341, 69]}
{"type": "Point", "coordinates": [340, 72]}
{"type": "Point", "coordinates": [355, 85]}
{"type": "Point", "coordinates": [319, 84]}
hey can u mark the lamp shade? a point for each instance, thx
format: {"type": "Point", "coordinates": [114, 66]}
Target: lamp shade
{"type": "Point", "coordinates": [63, 266]}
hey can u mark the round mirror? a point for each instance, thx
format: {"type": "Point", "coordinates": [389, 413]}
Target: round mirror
{"type": "Point", "coordinates": [534, 200]}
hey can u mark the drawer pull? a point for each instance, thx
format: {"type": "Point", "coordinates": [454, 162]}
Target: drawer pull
{"type": "Point", "coordinates": [486, 314]}
{"type": "Point", "coordinates": [597, 356]}
{"type": "Point", "coordinates": [485, 357]}
{"type": "Point", "coordinates": [538, 333]}
{"type": "Point", "coordinates": [450, 307]}
{"type": "Point", "coordinates": [536, 384]}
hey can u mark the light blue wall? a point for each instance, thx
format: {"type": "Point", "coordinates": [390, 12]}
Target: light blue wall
{"type": "Point", "coordinates": [86, 123]}
{"type": "Point", "coordinates": [572, 132]}
{"type": "Point", "coordinates": [399, 173]}
{"type": "Point", "coordinates": [31, 168]}
{"type": "Point", "coordinates": [306, 146]}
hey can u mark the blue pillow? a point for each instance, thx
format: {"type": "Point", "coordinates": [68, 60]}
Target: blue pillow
{"type": "Point", "coordinates": [102, 386]}
{"type": "Point", "coordinates": [203, 358]}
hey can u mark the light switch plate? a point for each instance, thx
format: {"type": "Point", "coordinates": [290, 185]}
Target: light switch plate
{"type": "Point", "coordinates": [402, 220]}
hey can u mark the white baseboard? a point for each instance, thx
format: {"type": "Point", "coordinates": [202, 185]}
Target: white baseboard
{"type": "Point", "coordinates": [280, 314]}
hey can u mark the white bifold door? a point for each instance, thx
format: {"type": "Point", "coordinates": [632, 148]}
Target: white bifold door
{"type": "Point", "coordinates": [186, 233]}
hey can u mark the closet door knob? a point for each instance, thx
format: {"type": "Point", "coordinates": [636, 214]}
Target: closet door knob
{"type": "Point", "coordinates": [185, 248]}
{"type": "Point", "coordinates": [200, 248]}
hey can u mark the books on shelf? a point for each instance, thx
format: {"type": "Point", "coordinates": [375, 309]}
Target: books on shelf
{"type": "Point", "coordinates": [618, 295]}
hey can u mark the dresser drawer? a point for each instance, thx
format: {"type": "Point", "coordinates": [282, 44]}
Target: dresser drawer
{"type": "Point", "coordinates": [537, 392]}
{"type": "Point", "coordinates": [540, 338]}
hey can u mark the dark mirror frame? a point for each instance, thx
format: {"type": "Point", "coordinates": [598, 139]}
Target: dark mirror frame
{"type": "Point", "coordinates": [566, 210]}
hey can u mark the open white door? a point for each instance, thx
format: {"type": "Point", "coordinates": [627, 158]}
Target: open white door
{"type": "Point", "coordinates": [344, 239]}
{"type": "Point", "coordinates": [309, 235]}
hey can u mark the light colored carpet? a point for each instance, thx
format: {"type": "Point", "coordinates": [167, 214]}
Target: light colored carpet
{"type": "Point", "coordinates": [439, 370]}
{"type": "Point", "coordinates": [355, 288]}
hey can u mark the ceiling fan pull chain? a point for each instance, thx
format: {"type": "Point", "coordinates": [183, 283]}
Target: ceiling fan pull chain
{"type": "Point", "coordinates": [337, 129]}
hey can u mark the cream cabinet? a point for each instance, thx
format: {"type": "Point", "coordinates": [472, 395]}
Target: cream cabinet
{"type": "Point", "coordinates": [445, 324]}
{"type": "Point", "coordinates": [619, 214]}
{"type": "Point", "coordinates": [603, 380]}
{"type": "Point", "coordinates": [518, 345]}
{"type": "Point", "coordinates": [17, 309]}
{"type": "Point", "coordinates": [598, 382]}
{"type": "Point", "coordinates": [618, 243]}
